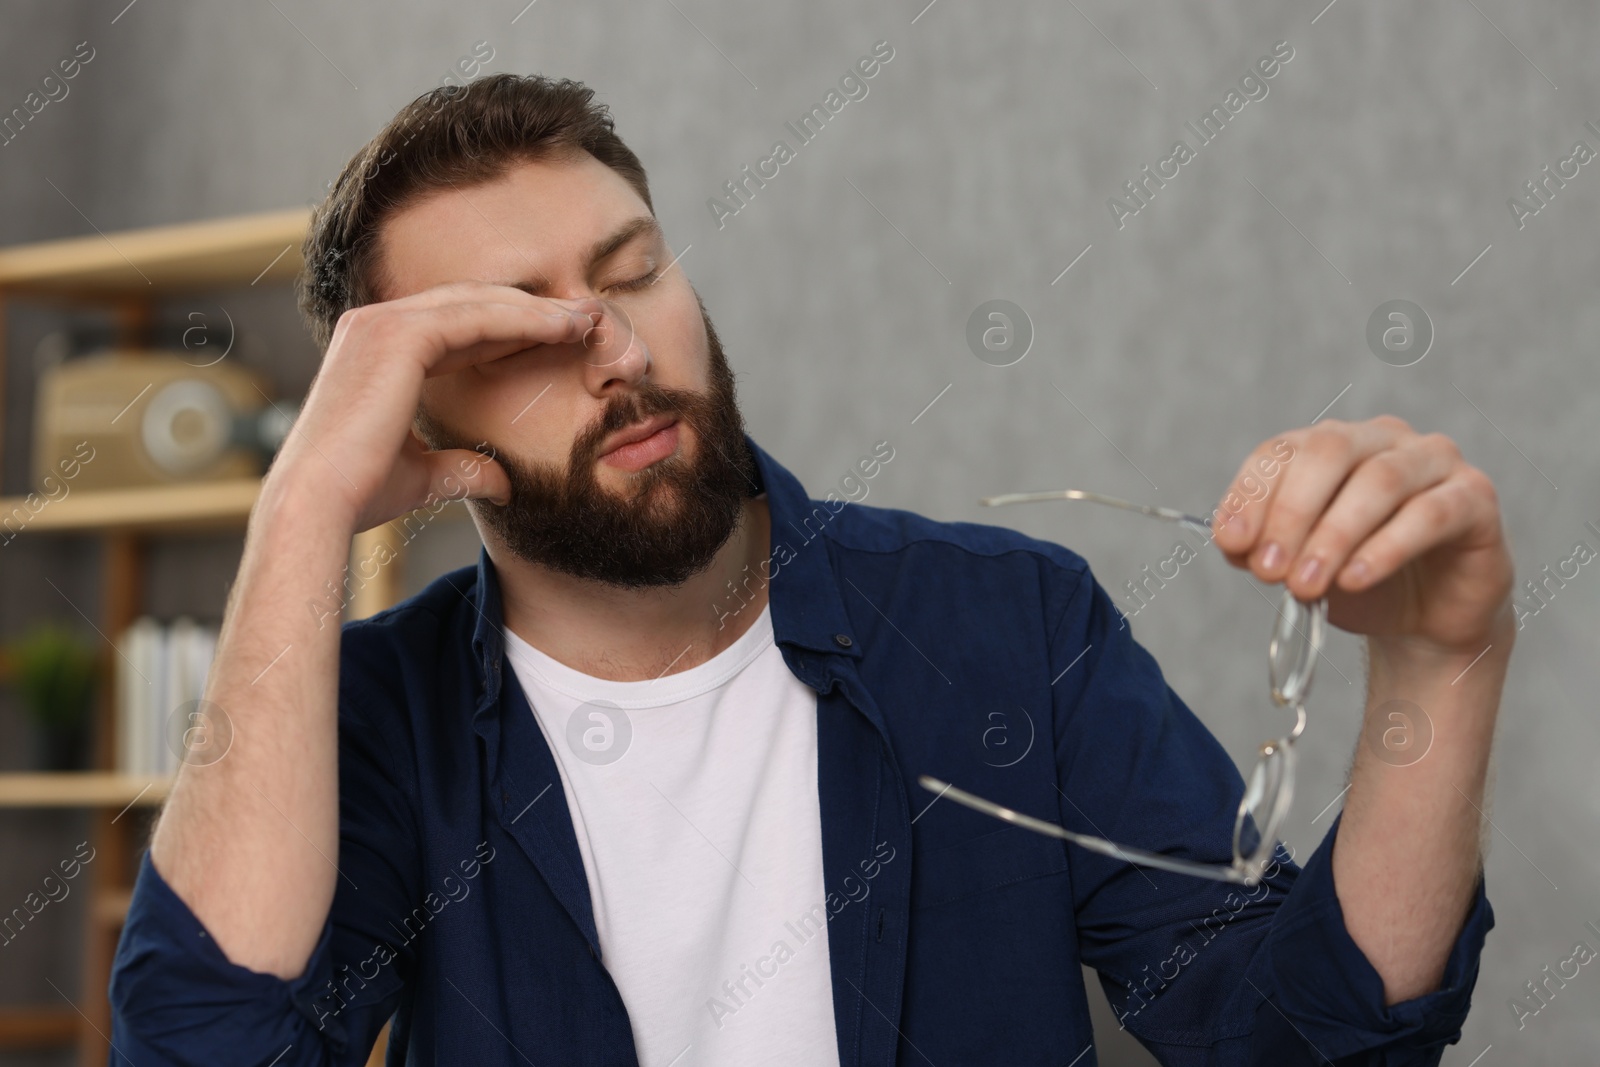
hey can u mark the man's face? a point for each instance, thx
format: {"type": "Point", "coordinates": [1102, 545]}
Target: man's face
{"type": "Point", "coordinates": [651, 514]}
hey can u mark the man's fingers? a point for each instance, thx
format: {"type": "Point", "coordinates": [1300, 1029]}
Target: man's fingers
{"type": "Point", "coordinates": [456, 336]}
{"type": "Point", "coordinates": [467, 292]}
{"type": "Point", "coordinates": [452, 327]}
{"type": "Point", "coordinates": [1275, 520]}
{"type": "Point", "coordinates": [1431, 518]}
{"type": "Point", "coordinates": [1379, 487]}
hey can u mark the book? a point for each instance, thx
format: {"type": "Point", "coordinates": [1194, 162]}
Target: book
{"type": "Point", "coordinates": [160, 681]}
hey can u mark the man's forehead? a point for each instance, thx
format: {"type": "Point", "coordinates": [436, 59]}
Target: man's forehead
{"type": "Point", "coordinates": [536, 219]}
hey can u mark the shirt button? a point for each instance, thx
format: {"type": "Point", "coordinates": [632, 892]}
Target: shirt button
{"type": "Point", "coordinates": [843, 640]}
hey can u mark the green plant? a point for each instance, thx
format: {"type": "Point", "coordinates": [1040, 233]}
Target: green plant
{"type": "Point", "coordinates": [53, 670]}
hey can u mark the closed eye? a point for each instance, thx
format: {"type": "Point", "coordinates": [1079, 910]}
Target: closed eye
{"type": "Point", "coordinates": [637, 283]}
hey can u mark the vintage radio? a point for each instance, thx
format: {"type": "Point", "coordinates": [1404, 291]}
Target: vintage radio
{"type": "Point", "coordinates": [152, 418]}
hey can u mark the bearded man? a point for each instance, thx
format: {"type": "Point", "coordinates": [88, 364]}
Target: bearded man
{"type": "Point", "coordinates": [566, 807]}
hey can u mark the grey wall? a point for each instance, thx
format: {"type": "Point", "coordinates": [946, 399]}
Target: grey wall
{"type": "Point", "coordinates": [1232, 307]}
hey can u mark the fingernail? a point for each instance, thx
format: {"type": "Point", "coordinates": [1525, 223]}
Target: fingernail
{"type": "Point", "coordinates": [1309, 570]}
{"type": "Point", "coordinates": [1234, 525]}
{"type": "Point", "coordinates": [1272, 556]}
{"type": "Point", "coordinates": [1356, 574]}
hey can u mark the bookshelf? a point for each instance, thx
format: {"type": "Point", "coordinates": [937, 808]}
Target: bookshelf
{"type": "Point", "coordinates": [127, 272]}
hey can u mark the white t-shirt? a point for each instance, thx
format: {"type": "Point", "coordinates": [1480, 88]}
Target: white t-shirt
{"type": "Point", "coordinates": [694, 801]}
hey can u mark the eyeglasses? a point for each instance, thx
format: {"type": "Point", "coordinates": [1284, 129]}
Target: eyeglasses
{"type": "Point", "coordinates": [1292, 651]}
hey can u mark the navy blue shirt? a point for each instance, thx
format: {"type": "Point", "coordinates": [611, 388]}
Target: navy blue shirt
{"type": "Point", "coordinates": [463, 911]}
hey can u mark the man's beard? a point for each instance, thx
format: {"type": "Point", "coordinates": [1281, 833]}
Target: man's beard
{"type": "Point", "coordinates": [677, 513]}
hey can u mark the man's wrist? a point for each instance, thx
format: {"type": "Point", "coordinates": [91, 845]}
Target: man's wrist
{"type": "Point", "coordinates": [1402, 657]}
{"type": "Point", "coordinates": [295, 495]}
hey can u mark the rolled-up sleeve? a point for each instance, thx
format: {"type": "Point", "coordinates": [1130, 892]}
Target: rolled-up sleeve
{"type": "Point", "coordinates": [1327, 987]}
{"type": "Point", "coordinates": [1202, 972]}
{"type": "Point", "coordinates": [176, 998]}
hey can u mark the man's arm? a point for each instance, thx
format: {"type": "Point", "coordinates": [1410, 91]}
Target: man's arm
{"type": "Point", "coordinates": [1417, 811]}
{"type": "Point", "coordinates": [250, 842]}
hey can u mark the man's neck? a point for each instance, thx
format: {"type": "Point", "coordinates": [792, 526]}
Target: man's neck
{"type": "Point", "coordinates": [638, 634]}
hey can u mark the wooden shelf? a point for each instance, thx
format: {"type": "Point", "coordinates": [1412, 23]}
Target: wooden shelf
{"type": "Point", "coordinates": [81, 789]}
{"type": "Point", "coordinates": [142, 263]}
{"type": "Point", "coordinates": [193, 506]}
{"type": "Point", "coordinates": [37, 1026]}
{"type": "Point", "coordinates": [188, 506]}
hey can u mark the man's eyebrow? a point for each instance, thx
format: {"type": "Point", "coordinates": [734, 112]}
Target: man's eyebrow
{"type": "Point", "coordinates": [639, 226]}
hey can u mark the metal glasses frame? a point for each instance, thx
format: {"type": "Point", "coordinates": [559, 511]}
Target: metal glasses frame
{"type": "Point", "coordinates": [1292, 652]}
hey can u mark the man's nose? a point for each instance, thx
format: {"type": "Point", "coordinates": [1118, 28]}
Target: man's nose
{"type": "Point", "coordinates": [612, 348]}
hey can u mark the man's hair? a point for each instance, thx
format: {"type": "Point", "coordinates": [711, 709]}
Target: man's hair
{"type": "Point", "coordinates": [454, 135]}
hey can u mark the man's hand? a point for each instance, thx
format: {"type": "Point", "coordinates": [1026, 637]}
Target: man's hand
{"type": "Point", "coordinates": [1399, 532]}
{"type": "Point", "coordinates": [1404, 538]}
{"type": "Point", "coordinates": [353, 441]}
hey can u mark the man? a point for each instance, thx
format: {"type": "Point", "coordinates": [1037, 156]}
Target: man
{"type": "Point", "coordinates": [641, 787]}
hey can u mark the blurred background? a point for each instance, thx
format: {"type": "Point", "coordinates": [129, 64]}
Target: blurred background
{"type": "Point", "coordinates": [1401, 218]}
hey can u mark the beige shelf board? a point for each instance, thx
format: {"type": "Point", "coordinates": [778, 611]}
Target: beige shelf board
{"type": "Point", "coordinates": [239, 250]}
{"type": "Point", "coordinates": [80, 789]}
{"type": "Point", "coordinates": [193, 505]}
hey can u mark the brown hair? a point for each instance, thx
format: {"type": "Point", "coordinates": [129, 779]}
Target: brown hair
{"type": "Point", "coordinates": [455, 134]}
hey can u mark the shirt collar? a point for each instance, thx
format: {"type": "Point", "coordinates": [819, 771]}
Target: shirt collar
{"type": "Point", "coordinates": [807, 608]}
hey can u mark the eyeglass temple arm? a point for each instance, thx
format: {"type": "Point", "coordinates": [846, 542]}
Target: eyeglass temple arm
{"type": "Point", "coordinates": [1170, 514]}
{"type": "Point", "coordinates": [1136, 856]}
